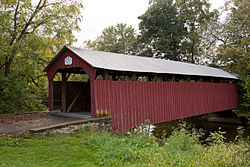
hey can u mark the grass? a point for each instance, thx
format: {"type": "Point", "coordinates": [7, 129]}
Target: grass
{"type": "Point", "coordinates": [54, 150]}
{"type": "Point", "coordinates": [90, 148]}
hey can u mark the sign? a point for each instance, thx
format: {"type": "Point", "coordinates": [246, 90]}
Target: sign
{"type": "Point", "coordinates": [68, 61]}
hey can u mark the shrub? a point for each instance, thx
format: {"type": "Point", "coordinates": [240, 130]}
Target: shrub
{"type": "Point", "coordinates": [17, 96]}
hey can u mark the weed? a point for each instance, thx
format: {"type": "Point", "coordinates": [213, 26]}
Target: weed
{"type": "Point", "coordinates": [216, 137]}
{"type": "Point", "coordinates": [86, 147]}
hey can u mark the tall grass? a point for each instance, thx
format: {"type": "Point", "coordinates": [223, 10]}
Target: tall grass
{"type": "Point", "coordinates": [86, 147]}
{"type": "Point", "coordinates": [181, 148]}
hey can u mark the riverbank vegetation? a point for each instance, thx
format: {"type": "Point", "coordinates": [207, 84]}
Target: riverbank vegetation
{"type": "Point", "coordinates": [88, 147]}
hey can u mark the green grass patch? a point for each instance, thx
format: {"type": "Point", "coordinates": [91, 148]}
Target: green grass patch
{"type": "Point", "coordinates": [90, 148]}
{"type": "Point", "coordinates": [53, 150]}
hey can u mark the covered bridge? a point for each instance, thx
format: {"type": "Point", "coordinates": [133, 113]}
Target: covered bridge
{"type": "Point", "coordinates": [133, 89]}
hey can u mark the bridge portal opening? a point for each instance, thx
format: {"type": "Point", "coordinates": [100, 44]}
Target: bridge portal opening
{"type": "Point", "coordinates": [71, 91]}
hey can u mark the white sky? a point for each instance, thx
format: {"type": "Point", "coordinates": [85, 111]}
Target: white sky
{"type": "Point", "coordinates": [99, 14]}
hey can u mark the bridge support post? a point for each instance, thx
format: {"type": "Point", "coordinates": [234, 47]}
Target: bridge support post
{"type": "Point", "coordinates": [106, 75]}
{"type": "Point", "coordinates": [133, 78]}
{"type": "Point", "coordinates": [173, 78]}
{"type": "Point", "coordinates": [64, 92]}
{"type": "Point", "coordinates": [155, 77]}
{"type": "Point", "coordinates": [211, 79]}
{"type": "Point", "coordinates": [201, 79]}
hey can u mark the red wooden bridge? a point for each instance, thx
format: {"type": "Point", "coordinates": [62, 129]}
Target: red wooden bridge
{"type": "Point", "coordinates": [133, 89]}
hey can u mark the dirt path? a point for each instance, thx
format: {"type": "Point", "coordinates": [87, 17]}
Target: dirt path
{"type": "Point", "coordinates": [18, 123]}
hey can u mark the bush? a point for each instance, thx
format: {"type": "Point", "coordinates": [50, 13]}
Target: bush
{"type": "Point", "coordinates": [15, 96]}
{"type": "Point", "coordinates": [181, 148]}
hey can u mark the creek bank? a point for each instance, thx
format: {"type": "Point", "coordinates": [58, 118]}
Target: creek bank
{"type": "Point", "coordinates": [201, 125]}
{"type": "Point", "coordinates": [224, 117]}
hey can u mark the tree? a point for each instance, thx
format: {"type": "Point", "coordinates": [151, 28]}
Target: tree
{"type": "Point", "coordinates": [31, 33]}
{"type": "Point", "coordinates": [119, 39]}
{"type": "Point", "coordinates": [22, 19]}
{"type": "Point", "coordinates": [197, 18]}
{"type": "Point", "coordinates": [211, 38]}
{"type": "Point", "coordinates": [233, 53]}
{"type": "Point", "coordinates": [161, 31]}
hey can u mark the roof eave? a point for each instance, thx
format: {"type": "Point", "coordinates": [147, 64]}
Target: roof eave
{"type": "Point", "coordinates": [55, 58]}
{"type": "Point", "coordinates": [152, 72]}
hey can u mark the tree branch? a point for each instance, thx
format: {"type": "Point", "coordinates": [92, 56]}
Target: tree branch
{"type": "Point", "coordinates": [216, 37]}
{"type": "Point", "coordinates": [39, 7]}
{"type": "Point", "coordinates": [37, 78]}
{"type": "Point", "coordinates": [33, 81]}
{"type": "Point", "coordinates": [43, 62]}
{"type": "Point", "coordinates": [15, 23]}
{"type": "Point", "coordinates": [2, 66]}
{"type": "Point", "coordinates": [49, 4]}
{"type": "Point", "coordinates": [38, 25]}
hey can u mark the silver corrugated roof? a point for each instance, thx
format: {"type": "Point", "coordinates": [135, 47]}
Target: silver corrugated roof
{"type": "Point", "coordinates": [122, 62]}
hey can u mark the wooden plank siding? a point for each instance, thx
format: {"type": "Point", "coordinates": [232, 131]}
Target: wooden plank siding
{"type": "Point", "coordinates": [83, 104]}
{"type": "Point", "coordinates": [130, 103]}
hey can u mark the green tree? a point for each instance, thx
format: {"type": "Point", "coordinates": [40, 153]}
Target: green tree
{"type": "Point", "coordinates": [233, 53]}
{"type": "Point", "coordinates": [211, 38]}
{"type": "Point", "coordinates": [23, 20]}
{"type": "Point", "coordinates": [31, 33]}
{"type": "Point", "coordinates": [161, 31]}
{"type": "Point", "coordinates": [197, 17]}
{"type": "Point", "coordinates": [119, 39]}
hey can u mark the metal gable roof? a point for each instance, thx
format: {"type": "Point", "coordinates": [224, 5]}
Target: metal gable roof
{"type": "Point", "coordinates": [122, 62]}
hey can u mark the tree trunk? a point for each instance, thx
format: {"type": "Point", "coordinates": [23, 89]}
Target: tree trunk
{"type": "Point", "coordinates": [192, 57]}
{"type": "Point", "coordinates": [6, 67]}
{"type": "Point", "coordinates": [8, 62]}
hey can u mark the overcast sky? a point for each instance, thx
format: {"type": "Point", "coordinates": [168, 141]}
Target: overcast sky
{"type": "Point", "coordinates": [99, 14]}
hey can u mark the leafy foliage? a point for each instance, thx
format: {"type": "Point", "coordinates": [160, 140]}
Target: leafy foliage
{"type": "Point", "coordinates": [197, 17]}
{"type": "Point", "coordinates": [18, 97]}
{"type": "Point", "coordinates": [31, 33]}
{"type": "Point", "coordinates": [233, 53]}
{"type": "Point", "coordinates": [181, 148]}
{"type": "Point", "coordinates": [176, 30]}
{"type": "Point", "coordinates": [161, 31]}
{"type": "Point", "coordinates": [119, 39]}
{"type": "Point", "coordinates": [216, 137]}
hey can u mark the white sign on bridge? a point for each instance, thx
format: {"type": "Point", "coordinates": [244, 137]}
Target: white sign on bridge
{"type": "Point", "coordinates": [68, 61]}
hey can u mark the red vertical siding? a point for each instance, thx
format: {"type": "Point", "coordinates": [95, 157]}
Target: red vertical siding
{"type": "Point", "coordinates": [130, 103]}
